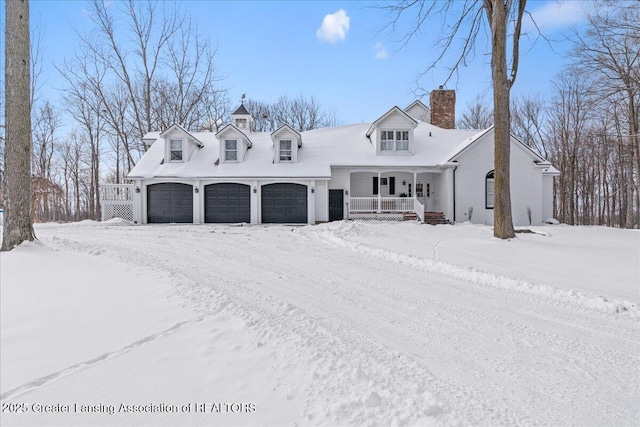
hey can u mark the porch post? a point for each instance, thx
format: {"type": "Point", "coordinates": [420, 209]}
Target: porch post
{"type": "Point", "coordinates": [415, 180]}
{"type": "Point", "coordinates": [379, 192]}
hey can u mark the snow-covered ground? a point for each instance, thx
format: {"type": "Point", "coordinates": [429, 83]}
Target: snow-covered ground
{"type": "Point", "coordinates": [347, 323]}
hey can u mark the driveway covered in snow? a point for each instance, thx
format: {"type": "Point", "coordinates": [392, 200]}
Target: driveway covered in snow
{"type": "Point", "coordinates": [343, 323]}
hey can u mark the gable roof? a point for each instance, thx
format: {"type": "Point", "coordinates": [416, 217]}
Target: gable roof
{"type": "Point", "coordinates": [183, 130]}
{"type": "Point", "coordinates": [340, 146]}
{"type": "Point", "coordinates": [287, 127]}
{"type": "Point", "coordinates": [395, 109]}
{"type": "Point", "coordinates": [417, 102]}
{"type": "Point", "coordinates": [230, 126]}
{"type": "Point", "coordinates": [538, 159]}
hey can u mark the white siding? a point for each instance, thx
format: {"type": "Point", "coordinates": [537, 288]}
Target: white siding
{"type": "Point", "coordinates": [362, 184]}
{"type": "Point", "coordinates": [285, 134]}
{"type": "Point", "coordinates": [547, 197]}
{"type": "Point", "coordinates": [322, 202]}
{"type": "Point", "coordinates": [396, 121]}
{"type": "Point", "coordinates": [339, 179]}
{"type": "Point", "coordinates": [441, 193]}
{"type": "Point", "coordinates": [419, 112]}
{"type": "Point", "coordinates": [526, 183]}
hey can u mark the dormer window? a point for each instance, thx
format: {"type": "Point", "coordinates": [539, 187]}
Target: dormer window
{"type": "Point", "coordinates": [285, 150]}
{"type": "Point", "coordinates": [231, 150]}
{"type": "Point", "coordinates": [175, 150]}
{"type": "Point", "coordinates": [394, 140]}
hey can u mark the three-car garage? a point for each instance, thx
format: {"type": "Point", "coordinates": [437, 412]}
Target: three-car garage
{"type": "Point", "coordinates": [227, 202]}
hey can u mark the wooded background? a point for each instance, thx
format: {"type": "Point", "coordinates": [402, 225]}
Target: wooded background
{"type": "Point", "coordinates": [118, 88]}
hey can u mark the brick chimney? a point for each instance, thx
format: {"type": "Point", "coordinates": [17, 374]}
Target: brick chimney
{"type": "Point", "coordinates": [443, 108]}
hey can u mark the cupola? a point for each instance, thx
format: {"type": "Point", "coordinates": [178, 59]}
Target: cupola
{"type": "Point", "coordinates": [241, 118]}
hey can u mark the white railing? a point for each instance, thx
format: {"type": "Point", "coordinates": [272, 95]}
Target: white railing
{"type": "Point", "coordinates": [382, 204]}
{"type": "Point", "coordinates": [116, 192]}
{"type": "Point", "coordinates": [116, 201]}
{"type": "Point", "coordinates": [419, 210]}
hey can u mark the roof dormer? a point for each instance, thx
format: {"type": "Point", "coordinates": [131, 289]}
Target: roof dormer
{"type": "Point", "coordinates": [392, 134]}
{"type": "Point", "coordinates": [242, 119]}
{"type": "Point", "coordinates": [419, 111]}
{"type": "Point", "coordinates": [179, 144]}
{"type": "Point", "coordinates": [233, 144]}
{"type": "Point", "coordinates": [286, 143]}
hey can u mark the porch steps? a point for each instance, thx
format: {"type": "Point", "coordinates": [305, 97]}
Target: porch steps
{"type": "Point", "coordinates": [435, 218]}
{"type": "Point", "coordinates": [410, 216]}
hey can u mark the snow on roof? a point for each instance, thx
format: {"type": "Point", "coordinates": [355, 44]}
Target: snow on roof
{"type": "Point", "coordinates": [336, 146]}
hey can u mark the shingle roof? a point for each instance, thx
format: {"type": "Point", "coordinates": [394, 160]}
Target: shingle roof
{"type": "Point", "coordinates": [241, 110]}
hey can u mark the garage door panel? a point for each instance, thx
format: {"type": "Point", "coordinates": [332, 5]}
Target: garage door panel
{"type": "Point", "coordinates": [169, 203]}
{"type": "Point", "coordinates": [227, 203]}
{"type": "Point", "coordinates": [284, 203]}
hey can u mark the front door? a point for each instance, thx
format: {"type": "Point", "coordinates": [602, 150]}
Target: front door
{"type": "Point", "coordinates": [424, 193]}
{"type": "Point", "coordinates": [336, 205]}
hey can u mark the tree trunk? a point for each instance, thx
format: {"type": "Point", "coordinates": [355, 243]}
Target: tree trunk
{"type": "Point", "coordinates": [502, 218]}
{"type": "Point", "coordinates": [18, 224]}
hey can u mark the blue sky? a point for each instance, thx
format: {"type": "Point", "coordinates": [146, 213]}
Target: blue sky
{"type": "Point", "coordinates": [332, 50]}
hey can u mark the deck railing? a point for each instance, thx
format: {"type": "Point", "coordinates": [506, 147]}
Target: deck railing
{"type": "Point", "coordinates": [116, 201]}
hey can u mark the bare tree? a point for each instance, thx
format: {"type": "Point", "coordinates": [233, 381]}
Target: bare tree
{"type": "Point", "coordinates": [477, 115]}
{"type": "Point", "coordinates": [465, 20]}
{"type": "Point", "coordinates": [18, 224]}
{"type": "Point", "coordinates": [528, 122]}
{"type": "Point", "coordinates": [610, 49]}
{"type": "Point", "coordinates": [570, 113]}
{"type": "Point", "coordinates": [46, 122]}
{"type": "Point", "coordinates": [301, 113]}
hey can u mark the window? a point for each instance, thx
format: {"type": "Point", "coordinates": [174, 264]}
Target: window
{"type": "Point", "coordinates": [231, 150]}
{"type": "Point", "coordinates": [285, 150]}
{"type": "Point", "coordinates": [175, 150]}
{"type": "Point", "coordinates": [489, 189]}
{"type": "Point", "coordinates": [241, 123]}
{"type": "Point", "coordinates": [402, 140]}
{"type": "Point", "coordinates": [386, 138]}
{"type": "Point", "coordinates": [397, 140]}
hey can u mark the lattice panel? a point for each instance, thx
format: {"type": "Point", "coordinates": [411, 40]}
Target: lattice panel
{"type": "Point", "coordinates": [377, 217]}
{"type": "Point", "coordinates": [124, 211]}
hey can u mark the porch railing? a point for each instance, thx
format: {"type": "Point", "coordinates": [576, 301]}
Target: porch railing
{"type": "Point", "coordinates": [419, 210]}
{"type": "Point", "coordinates": [382, 204]}
{"type": "Point", "coordinates": [116, 201]}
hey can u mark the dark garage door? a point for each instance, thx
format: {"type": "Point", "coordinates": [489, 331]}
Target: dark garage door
{"type": "Point", "coordinates": [170, 202]}
{"type": "Point", "coordinates": [284, 203]}
{"type": "Point", "coordinates": [227, 202]}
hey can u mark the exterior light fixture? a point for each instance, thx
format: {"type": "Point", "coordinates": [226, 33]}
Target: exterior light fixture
{"type": "Point", "coordinates": [346, 192]}
{"type": "Point", "coordinates": [404, 182]}
{"type": "Point", "coordinates": [137, 189]}
{"type": "Point", "coordinates": [255, 190]}
{"type": "Point", "coordinates": [313, 190]}
{"type": "Point", "coordinates": [196, 190]}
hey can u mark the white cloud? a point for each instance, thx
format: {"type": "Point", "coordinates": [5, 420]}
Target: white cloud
{"type": "Point", "coordinates": [555, 15]}
{"type": "Point", "coordinates": [334, 28]}
{"type": "Point", "coordinates": [381, 51]}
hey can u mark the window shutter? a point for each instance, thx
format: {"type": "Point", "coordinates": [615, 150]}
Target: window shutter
{"type": "Point", "coordinates": [392, 185]}
{"type": "Point", "coordinates": [375, 185]}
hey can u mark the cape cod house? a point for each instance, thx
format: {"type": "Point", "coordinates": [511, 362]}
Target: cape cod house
{"type": "Point", "coordinates": [409, 163]}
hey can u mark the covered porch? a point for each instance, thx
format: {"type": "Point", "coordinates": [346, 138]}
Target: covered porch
{"type": "Point", "coordinates": [392, 195]}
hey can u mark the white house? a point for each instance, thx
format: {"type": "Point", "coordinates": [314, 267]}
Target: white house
{"type": "Point", "coordinates": [409, 163]}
